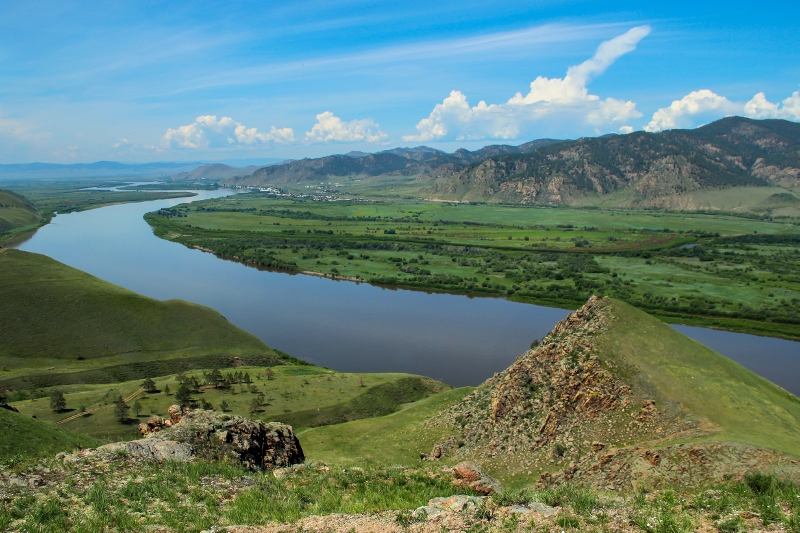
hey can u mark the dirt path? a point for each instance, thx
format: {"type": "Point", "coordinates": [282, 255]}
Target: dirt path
{"type": "Point", "coordinates": [89, 411]}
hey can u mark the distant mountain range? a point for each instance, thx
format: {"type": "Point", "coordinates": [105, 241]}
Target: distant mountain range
{"type": "Point", "coordinates": [730, 152]}
{"type": "Point", "coordinates": [102, 169]}
{"type": "Point", "coordinates": [636, 169]}
{"type": "Point", "coordinates": [91, 170]}
{"type": "Point", "coordinates": [421, 161]}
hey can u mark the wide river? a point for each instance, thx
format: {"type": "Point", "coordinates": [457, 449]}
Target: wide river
{"type": "Point", "coordinates": [353, 327]}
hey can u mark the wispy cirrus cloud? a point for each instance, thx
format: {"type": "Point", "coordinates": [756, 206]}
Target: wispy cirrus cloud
{"type": "Point", "coordinates": [515, 43]}
{"type": "Point", "coordinates": [567, 97]}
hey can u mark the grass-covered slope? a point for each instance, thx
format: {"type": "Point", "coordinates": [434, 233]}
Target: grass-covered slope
{"type": "Point", "coordinates": [23, 437]}
{"type": "Point", "coordinates": [376, 401]}
{"type": "Point", "coordinates": [399, 438]}
{"type": "Point", "coordinates": [58, 320]}
{"type": "Point", "coordinates": [16, 214]}
{"type": "Point", "coordinates": [745, 406]}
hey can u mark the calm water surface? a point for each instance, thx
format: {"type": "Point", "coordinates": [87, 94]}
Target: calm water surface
{"type": "Point", "coordinates": [342, 325]}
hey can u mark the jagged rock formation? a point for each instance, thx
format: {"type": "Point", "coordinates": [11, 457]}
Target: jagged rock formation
{"type": "Point", "coordinates": [571, 407]}
{"type": "Point", "coordinates": [215, 435]}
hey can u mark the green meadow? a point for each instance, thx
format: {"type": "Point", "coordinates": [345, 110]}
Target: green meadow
{"type": "Point", "coordinates": [731, 271]}
{"type": "Point", "coordinates": [290, 393]}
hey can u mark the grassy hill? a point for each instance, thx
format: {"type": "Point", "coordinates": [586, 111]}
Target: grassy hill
{"type": "Point", "coordinates": [743, 406]}
{"type": "Point", "coordinates": [60, 325]}
{"type": "Point", "coordinates": [608, 374]}
{"type": "Point", "coordinates": [40, 438]}
{"type": "Point", "coordinates": [16, 214]}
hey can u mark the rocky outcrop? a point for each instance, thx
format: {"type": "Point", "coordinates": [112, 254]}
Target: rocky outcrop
{"type": "Point", "coordinates": [213, 435]}
{"type": "Point", "coordinates": [557, 403]}
{"type": "Point", "coordinates": [143, 449]}
{"type": "Point", "coordinates": [471, 476]}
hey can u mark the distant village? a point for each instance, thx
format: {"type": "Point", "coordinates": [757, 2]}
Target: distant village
{"type": "Point", "coordinates": [321, 193]}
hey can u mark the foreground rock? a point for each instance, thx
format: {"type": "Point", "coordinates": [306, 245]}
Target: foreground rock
{"type": "Point", "coordinates": [471, 476]}
{"type": "Point", "coordinates": [215, 436]}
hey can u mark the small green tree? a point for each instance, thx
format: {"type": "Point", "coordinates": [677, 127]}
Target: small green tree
{"type": "Point", "coordinates": [183, 395]}
{"type": "Point", "coordinates": [206, 405]}
{"type": "Point", "coordinates": [121, 410]}
{"type": "Point", "coordinates": [224, 406]}
{"type": "Point", "coordinates": [270, 374]}
{"type": "Point", "coordinates": [166, 390]}
{"type": "Point", "coordinates": [137, 407]}
{"type": "Point", "coordinates": [247, 378]}
{"type": "Point", "coordinates": [57, 401]}
{"type": "Point", "coordinates": [149, 386]}
{"type": "Point", "coordinates": [255, 405]}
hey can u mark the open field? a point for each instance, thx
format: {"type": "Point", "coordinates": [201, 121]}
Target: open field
{"type": "Point", "coordinates": [61, 326]}
{"type": "Point", "coordinates": [726, 271]}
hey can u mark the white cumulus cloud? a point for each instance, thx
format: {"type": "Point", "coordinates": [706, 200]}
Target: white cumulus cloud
{"type": "Point", "coordinates": [209, 132]}
{"type": "Point", "coordinates": [548, 98]}
{"type": "Point", "coordinates": [329, 128]}
{"type": "Point", "coordinates": [760, 107]}
{"type": "Point", "coordinates": [709, 105]}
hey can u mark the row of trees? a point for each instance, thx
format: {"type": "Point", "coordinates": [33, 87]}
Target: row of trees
{"type": "Point", "coordinates": [187, 386]}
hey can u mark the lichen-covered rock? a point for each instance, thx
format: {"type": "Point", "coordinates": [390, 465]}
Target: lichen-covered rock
{"type": "Point", "coordinates": [154, 449]}
{"type": "Point", "coordinates": [254, 443]}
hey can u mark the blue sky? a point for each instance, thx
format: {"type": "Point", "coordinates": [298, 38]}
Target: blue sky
{"type": "Point", "coordinates": [178, 81]}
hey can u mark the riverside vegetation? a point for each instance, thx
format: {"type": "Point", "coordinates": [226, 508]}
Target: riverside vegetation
{"type": "Point", "coordinates": [727, 271]}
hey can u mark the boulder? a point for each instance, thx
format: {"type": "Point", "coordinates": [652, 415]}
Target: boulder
{"type": "Point", "coordinates": [471, 476]}
{"type": "Point", "coordinates": [213, 435]}
{"type": "Point", "coordinates": [456, 504]}
{"type": "Point", "coordinates": [147, 449]}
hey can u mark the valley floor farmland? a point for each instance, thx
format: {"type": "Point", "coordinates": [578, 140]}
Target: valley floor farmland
{"type": "Point", "coordinates": [731, 272]}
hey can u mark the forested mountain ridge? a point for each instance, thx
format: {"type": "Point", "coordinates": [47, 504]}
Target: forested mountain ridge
{"type": "Point", "coordinates": [730, 152]}
{"type": "Point", "coordinates": [639, 169]}
{"type": "Point", "coordinates": [421, 161]}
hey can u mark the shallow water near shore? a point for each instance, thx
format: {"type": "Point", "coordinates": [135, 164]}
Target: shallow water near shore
{"type": "Point", "coordinates": [353, 327]}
